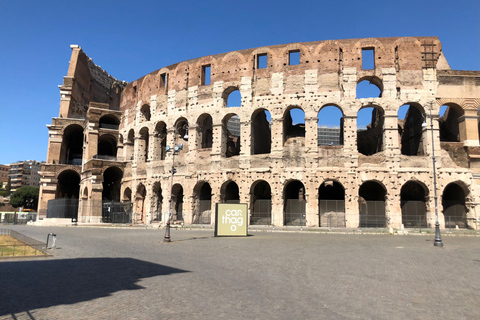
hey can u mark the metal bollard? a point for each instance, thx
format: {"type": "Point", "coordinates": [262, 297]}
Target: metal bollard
{"type": "Point", "coordinates": [54, 239]}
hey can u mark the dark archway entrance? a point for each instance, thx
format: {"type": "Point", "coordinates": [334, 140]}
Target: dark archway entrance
{"type": "Point", "coordinates": [177, 203]}
{"type": "Point", "coordinates": [203, 204]}
{"type": "Point", "coordinates": [294, 207]}
{"type": "Point", "coordinates": [414, 209]}
{"type": "Point", "coordinates": [454, 210]}
{"type": "Point", "coordinates": [331, 204]}
{"type": "Point", "coordinates": [65, 204]}
{"type": "Point", "coordinates": [371, 203]}
{"type": "Point", "coordinates": [261, 204]}
{"type": "Point", "coordinates": [230, 193]}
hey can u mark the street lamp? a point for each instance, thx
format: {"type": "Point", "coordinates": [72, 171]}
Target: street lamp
{"type": "Point", "coordinates": [438, 240]}
{"type": "Point", "coordinates": [176, 150]}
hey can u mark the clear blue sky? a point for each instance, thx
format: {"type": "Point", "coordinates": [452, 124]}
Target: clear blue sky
{"type": "Point", "coordinates": [132, 38]}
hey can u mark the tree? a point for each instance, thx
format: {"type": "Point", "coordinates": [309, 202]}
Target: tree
{"type": "Point", "coordinates": [25, 196]}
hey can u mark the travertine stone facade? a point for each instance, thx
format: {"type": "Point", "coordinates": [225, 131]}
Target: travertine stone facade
{"type": "Point", "coordinates": [125, 130]}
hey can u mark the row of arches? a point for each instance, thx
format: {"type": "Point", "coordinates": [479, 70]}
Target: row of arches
{"type": "Point", "coordinates": [372, 202]}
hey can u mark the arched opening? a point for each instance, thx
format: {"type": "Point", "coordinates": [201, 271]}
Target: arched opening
{"type": "Point", "coordinates": [161, 140]}
{"type": "Point", "coordinates": [294, 204]}
{"type": "Point", "coordinates": [157, 201]}
{"type": "Point", "coordinates": [331, 204]}
{"type": "Point", "coordinates": [294, 126]}
{"type": "Point", "coordinates": [413, 203]}
{"type": "Point", "coordinates": [127, 195]}
{"type": "Point", "coordinates": [129, 145]}
{"type": "Point", "coordinates": [229, 192]}
{"type": "Point", "coordinates": [107, 147]}
{"type": "Point", "coordinates": [109, 122]}
{"type": "Point", "coordinates": [370, 122]}
{"type": "Point", "coordinates": [453, 202]}
{"type": "Point", "coordinates": [261, 132]}
{"type": "Point", "coordinates": [140, 197]}
{"type": "Point", "coordinates": [85, 193]}
{"type": "Point", "coordinates": [231, 136]}
{"type": "Point", "coordinates": [143, 143]}
{"type": "Point", "coordinates": [177, 203]}
{"type": "Point", "coordinates": [145, 113]}
{"type": "Point", "coordinates": [448, 123]}
{"type": "Point", "coordinates": [371, 203]}
{"type": "Point", "coordinates": [65, 204]}
{"type": "Point", "coordinates": [369, 87]}
{"type": "Point", "coordinates": [261, 203]}
{"type": "Point", "coordinates": [232, 97]}
{"type": "Point", "coordinates": [410, 129]}
{"type": "Point", "coordinates": [204, 132]}
{"type": "Point", "coordinates": [181, 131]}
{"type": "Point", "coordinates": [112, 180]}
{"type": "Point", "coordinates": [72, 145]}
{"type": "Point", "coordinates": [203, 203]}
{"type": "Point", "coordinates": [330, 126]}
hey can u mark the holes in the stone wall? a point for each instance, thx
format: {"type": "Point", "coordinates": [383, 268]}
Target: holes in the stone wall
{"type": "Point", "coordinates": [262, 61]}
{"type": "Point", "coordinates": [369, 89]}
{"type": "Point", "coordinates": [293, 57]}
{"type": "Point", "coordinates": [368, 58]}
{"type": "Point", "coordinates": [206, 73]}
{"type": "Point", "coordinates": [330, 126]}
{"type": "Point", "coordinates": [164, 80]}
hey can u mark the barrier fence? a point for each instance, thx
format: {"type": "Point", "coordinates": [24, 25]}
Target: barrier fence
{"type": "Point", "coordinates": [29, 246]}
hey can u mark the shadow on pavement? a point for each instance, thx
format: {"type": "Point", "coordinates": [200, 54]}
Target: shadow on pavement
{"type": "Point", "coordinates": [28, 285]}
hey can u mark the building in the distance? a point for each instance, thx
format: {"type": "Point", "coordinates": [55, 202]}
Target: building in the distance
{"type": "Point", "coordinates": [25, 173]}
{"type": "Point", "coordinates": [4, 172]}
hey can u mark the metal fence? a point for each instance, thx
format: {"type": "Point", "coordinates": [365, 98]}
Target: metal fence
{"type": "Point", "coordinates": [203, 213]}
{"type": "Point", "coordinates": [372, 214]}
{"type": "Point", "coordinates": [294, 214]}
{"type": "Point", "coordinates": [261, 213]}
{"type": "Point", "coordinates": [332, 213]}
{"type": "Point", "coordinates": [62, 208]}
{"type": "Point", "coordinates": [17, 217]}
{"type": "Point", "coordinates": [414, 214]}
{"type": "Point", "coordinates": [38, 247]}
{"type": "Point", "coordinates": [455, 214]}
{"type": "Point", "coordinates": [116, 212]}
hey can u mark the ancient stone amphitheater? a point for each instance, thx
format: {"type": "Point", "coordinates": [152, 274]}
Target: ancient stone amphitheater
{"type": "Point", "coordinates": [252, 126]}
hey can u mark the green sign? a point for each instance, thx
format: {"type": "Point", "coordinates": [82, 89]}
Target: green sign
{"type": "Point", "coordinates": [231, 219]}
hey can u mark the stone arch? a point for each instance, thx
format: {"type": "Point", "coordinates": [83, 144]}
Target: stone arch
{"type": "Point", "coordinates": [330, 133]}
{"type": "Point", "coordinates": [230, 192]}
{"type": "Point", "coordinates": [85, 193]}
{"type": "Point", "coordinates": [370, 137]}
{"type": "Point", "coordinates": [261, 132]}
{"type": "Point", "coordinates": [143, 144]}
{"type": "Point", "coordinates": [202, 210]}
{"type": "Point", "coordinates": [411, 129]}
{"type": "Point", "coordinates": [294, 203]}
{"type": "Point", "coordinates": [453, 202]}
{"type": "Point", "coordinates": [261, 203]}
{"type": "Point", "coordinates": [231, 129]}
{"type": "Point", "coordinates": [233, 57]}
{"type": "Point", "coordinates": [129, 145]}
{"type": "Point", "coordinates": [112, 182]}
{"type": "Point", "coordinates": [107, 147]}
{"type": "Point", "coordinates": [293, 131]}
{"type": "Point", "coordinates": [449, 124]}
{"type": "Point", "coordinates": [331, 204]}
{"type": "Point", "coordinates": [140, 197]}
{"type": "Point", "coordinates": [109, 121]}
{"type": "Point", "coordinates": [177, 202]}
{"type": "Point", "coordinates": [371, 201]}
{"type": "Point", "coordinates": [72, 145]}
{"type": "Point", "coordinates": [68, 185]}
{"type": "Point", "coordinates": [363, 91]}
{"type": "Point", "coordinates": [160, 137]}
{"type": "Point", "coordinates": [127, 195]}
{"type": "Point", "coordinates": [413, 202]}
{"type": "Point", "coordinates": [145, 113]}
{"type": "Point", "coordinates": [181, 131]}
{"type": "Point", "coordinates": [232, 97]}
{"type": "Point", "coordinates": [157, 201]}
{"type": "Point", "coordinates": [204, 131]}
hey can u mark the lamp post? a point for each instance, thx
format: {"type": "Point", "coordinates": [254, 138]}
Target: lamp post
{"type": "Point", "coordinates": [438, 240]}
{"type": "Point", "coordinates": [175, 151]}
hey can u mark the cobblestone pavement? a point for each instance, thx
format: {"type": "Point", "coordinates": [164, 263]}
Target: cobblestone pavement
{"type": "Point", "coordinates": [115, 273]}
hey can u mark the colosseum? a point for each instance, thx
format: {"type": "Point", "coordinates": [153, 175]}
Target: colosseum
{"type": "Point", "coordinates": [249, 126]}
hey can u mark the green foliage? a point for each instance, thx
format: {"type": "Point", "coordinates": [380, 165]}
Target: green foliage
{"type": "Point", "coordinates": [26, 197]}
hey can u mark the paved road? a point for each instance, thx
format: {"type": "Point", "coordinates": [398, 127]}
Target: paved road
{"type": "Point", "coordinates": [108, 273]}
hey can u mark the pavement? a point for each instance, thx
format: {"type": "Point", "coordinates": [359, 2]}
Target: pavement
{"type": "Point", "coordinates": [129, 273]}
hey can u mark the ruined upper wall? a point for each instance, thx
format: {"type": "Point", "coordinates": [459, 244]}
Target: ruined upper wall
{"type": "Point", "coordinates": [85, 83]}
{"type": "Point", "coordinates": [329, 58]}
